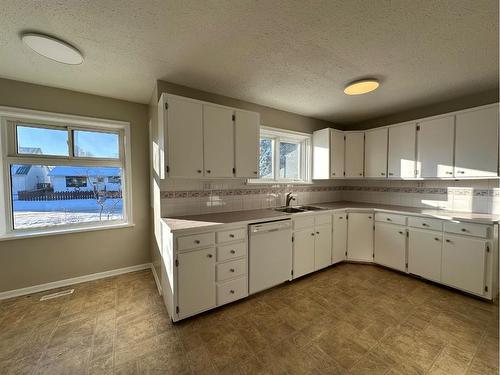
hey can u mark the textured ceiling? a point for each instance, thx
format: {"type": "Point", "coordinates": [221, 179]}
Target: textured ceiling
{"type": "Point", "coordinates": [291, 55]}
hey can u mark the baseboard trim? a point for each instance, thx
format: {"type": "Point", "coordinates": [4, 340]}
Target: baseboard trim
{"type": "Point", "coordinates": [71, 281]}
{"type": "Point", "coordinates": [157, 280]}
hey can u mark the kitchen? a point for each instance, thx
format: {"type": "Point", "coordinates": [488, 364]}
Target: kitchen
{"type": "Point", "coordinates": [307, 200]}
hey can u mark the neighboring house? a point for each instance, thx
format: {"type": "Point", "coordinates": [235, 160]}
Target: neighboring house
{"type": "Point", "coordinates": [25, 177]}
{"type": "Point", "coordinates": [66, 178]}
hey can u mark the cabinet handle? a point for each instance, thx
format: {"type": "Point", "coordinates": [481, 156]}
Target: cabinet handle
{"type": "Point", "coordinates": [436, 238]}
{"type": "Point", "coordinates": [317, 232]}
{"type": "Point", "coordinates": [333, 174]}
{"type": "Point", "coordinates": [254, 172]}
{"type": "Point", "coordinates": [361, 174]}
{"type": "Point", "coordinates": [388, 219]}
{"type": "Point", "coordinates": [464, 230]}
{"type": "Point", "coordinates": [312, 234]}
{"type": "Point", "coordinates": [209, 171]}
{"type": "Point", "coordinates": [382, 173]}
{"type": "Point", "coordinates": [209, 255]}
{"type": "Point", "coordinates": [449, 172]}
{"type": "Point", "coordinates": [231, 291]}
{"type": "Point", "coordinates": [231, 235]}
{"type": "Point", "coordinates": [401, 232]}
{"type": "Point", "coordinates": [425, 224]}
{"type": "Point", "coordinates": [461, 172]}
{"type": "Point", "coordinates": [369, 217]}
{"type": "Point", "coordinates": [231, 270]}
{"type": "Point", "coordinates": [196, 241]}
{"type": "Point", "coordinates": [233, 252]}
{"type": "Point", "coordinates": [391, 174]}
{"type": "Point", "coordinates": [448, 241]}
{"type": "Point", "coordinates": [199, 171]}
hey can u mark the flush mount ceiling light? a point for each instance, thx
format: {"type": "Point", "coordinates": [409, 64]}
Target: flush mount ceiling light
{"type": "Point", "coordinates": [53, 48]}
{"type": "Point", "coordinates": [362, 86]}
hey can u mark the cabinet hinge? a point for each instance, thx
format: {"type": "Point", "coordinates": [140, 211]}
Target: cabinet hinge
{"type": "Point", "coordinates": [346, 253]}
{"type": "Point", "coordinates": [373, 227]}
{"type": "Point", "coordinates": [166, 105]}
{"type": "Point", "coordinates": [234, 170]}
{"type": "Point", "coordinates": [407, 234]}
{"type": "Point", "coordinates": [486, 288]}
{"type": "Point", "coordinates": [177, 309]}
{"type": "Point", "coordinates": [293, 238]}
{"type": "Point", "coordinates": [487, 249]}
{"type": "Point", "coordinates": [344, 173]}
{"type": "Point", "coordinates": [177, 262]}
{"type": "Point", "coordinates": [347, 216]}
{"type": "Point", "coordinates": [344, 137]}
{"type": "Point", "coordinates": [406, 264]}
{"type": "Point", "coordinates": [291, 272]}
{"type": "Point", "coordinates": [234, 117]}
{"type": "Point", "coordinates": [418, 127]}
{"type": "Point", "coordinates": [168, 169]}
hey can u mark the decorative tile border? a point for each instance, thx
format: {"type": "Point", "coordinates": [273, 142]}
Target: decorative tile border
{"type": "Point", "coordinates": [314, 189]}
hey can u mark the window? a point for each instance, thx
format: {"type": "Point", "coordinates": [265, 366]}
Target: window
{"type": "Point", "coordinates": [65, 173]}
{"type": "Point", "coordinates": [284, 156]}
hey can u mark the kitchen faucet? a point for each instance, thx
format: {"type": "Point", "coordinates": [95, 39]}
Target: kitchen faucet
{"type": "Point", "coordinates": [289, 197]}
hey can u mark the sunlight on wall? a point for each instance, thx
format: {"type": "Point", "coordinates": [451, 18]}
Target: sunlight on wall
{"type": "Point", "coordinates": [321, 162]}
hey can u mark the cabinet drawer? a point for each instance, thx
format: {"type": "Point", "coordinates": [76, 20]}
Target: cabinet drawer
{"type": "Point", "coordinates": [231, 235]}
{"type": "Point", "coordinates": [323, 219]}
{"type": "Point", "coordinates": [425, 223]}
{"type": "Point", "coordinates": [232, 290]}
{"type": "Point", "coordinates": [232, 251]}
{"type": "Point", "coordinates": [469, 229]}
{"type": "Point", "coordinates": [390, 218]}
{"type": "Point", "coordinates": [303, 222]}
{"type": "Point", "coordinates": [231, 269]}
{"type": "Point", "coordinates": [196, 240]}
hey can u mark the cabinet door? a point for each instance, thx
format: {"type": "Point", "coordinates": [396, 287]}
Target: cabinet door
{"type": "Point", "coordinates": [184, 137]}
{"type": "Point", "coordinates": [339, 247]}
{"type": "Point", "coordinates": [303, 252]}
{"type": "Point", "coordinates": [218, 141]}
{"type": "Point", "coordinates": [463, 263]}
{"type": "Point", "coordinates": [390, 245]}
{"type": "Point", "coordinates": [337, 147]}
{"type": "Point", "coordinates": [246, 144]}
{"type": "Point", "coordinates": [360, 237]}
{"type": "Point", "coordinates": [376, 153]}
{"type": "Point", "coordinates": [476, 143]}
{"type": "Point", "coordinates": [435, 147]}
{"type": "Point", "coordinates": [323, 246]}
{"type": "Point", "coordinates": [196, 281]}
{"type": "Point", "coordinates": [424, 254]}
{"type": "Point", "coordinates": [354, 151]}
{"type": "Point", "coordinates": [401, 160]}
{"type": "Point", "coordinates": [321, 154]}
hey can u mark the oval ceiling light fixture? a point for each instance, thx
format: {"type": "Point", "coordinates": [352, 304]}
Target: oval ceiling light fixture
{"type": "Point", "coordinates": [53, 48]}
{"type": "Point", "coordinates": [362, 86]}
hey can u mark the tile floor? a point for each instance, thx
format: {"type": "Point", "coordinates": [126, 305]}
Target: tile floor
{"type": "Point", "coordinates": [349, 318]}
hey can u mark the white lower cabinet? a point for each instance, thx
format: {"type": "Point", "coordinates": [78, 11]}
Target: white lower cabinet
{"type": "Point", "coordinates": [196, 281]}
{"type": "Point", "coordinates": [390, 245]}
{"type": "Point", "coordinates": [322, 246]}
{"type": "Point", "coordinates": [424, 253]}
{"type": "Point", "coordinates": [303, 252]}
{"type": "Point", "coordinates": [339, 241]}
{"type": "Point", "coordinates": [360, 237]}
{"type": "Point", "coordinates": [464, 263]}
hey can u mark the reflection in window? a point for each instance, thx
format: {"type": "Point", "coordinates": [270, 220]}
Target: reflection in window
{"type": "Point", "coordinates": [96, 144]}
{"type": "Point", "coordinates": [289, 160]}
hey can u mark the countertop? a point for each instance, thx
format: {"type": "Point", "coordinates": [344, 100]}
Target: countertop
{"type": "Point", "coordinates": [186, 223]}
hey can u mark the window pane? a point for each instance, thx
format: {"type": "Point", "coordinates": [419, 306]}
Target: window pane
{"type": "Point", "coordinates": [41, 141]}
{"type": "Point", "coordinates": [96, 144]}
{"type": "Point", "coordinates": [266, 158]}
{"type": "Point", "coordinates": [289, 160]}
{"type": "Point", "coordinates": [46, 196]}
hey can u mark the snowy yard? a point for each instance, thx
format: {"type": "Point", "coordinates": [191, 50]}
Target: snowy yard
{"type": "Point", "coordinates": [29, 214]}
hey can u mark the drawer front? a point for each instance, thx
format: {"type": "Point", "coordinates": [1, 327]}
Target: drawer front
{"type": "Point", "coordinates": [232, 269]}
{"type": "Point", "coordinates": [323, 219]}
{"type": "Point", "coordinates": [196, 240]}
{"type": "Point", "coordinates": [232, 251]}
{"type": "Point", "coordinates": [232, 290]}
{"type": "Point", "coordinates": [425, 223]}
{"type": "Point", "coordinates": [390, 218]}
{"type": "Point", "coordinates": [468, 229]}
{"type": "Point", "coordinates": [303, 222]}
{"type": "Point", "coordinates": [232, 235]}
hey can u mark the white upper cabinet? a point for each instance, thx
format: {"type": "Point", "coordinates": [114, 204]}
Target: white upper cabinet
{"type": "Point", "coordinates": [337, 154]}
{"type": "Point", "coordinates": [476, 143]}
{"type": "Point", "coordinates": [376, 153]}
{"type": "Point", "coordinates": [435, 147]}
{"type": "Point", "coordinates": [184, 132]}
{"type": "Point", "coordinates": [354, 154]}
{"type": "Point", "coordinates": [401, 160]}
{"type": "Point", "coordinates": [218, 144]}
{"type": "Point", "coordinates": [328, 154]}
{"type": "Point", "coordinates": [246, 142]}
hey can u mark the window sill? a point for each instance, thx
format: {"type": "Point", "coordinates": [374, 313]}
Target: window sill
{"type": "Point", "coordinates": [51, 232]}
{"type": "Point", "coordinates": [277, 182]}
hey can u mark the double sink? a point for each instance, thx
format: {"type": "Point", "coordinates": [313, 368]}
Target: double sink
{"type": "Point", "coordinates": [296, 209]}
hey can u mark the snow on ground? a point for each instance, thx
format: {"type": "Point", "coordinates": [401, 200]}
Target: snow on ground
{"type": "Point", "coordinates": [29, 214]}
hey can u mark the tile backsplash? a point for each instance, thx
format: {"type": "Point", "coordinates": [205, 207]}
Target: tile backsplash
{"type": "Point", "coordinates": [190, 197]}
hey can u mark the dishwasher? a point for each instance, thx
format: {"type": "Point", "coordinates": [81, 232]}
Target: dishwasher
{"type": "Point", "coordinates": [270, 254]}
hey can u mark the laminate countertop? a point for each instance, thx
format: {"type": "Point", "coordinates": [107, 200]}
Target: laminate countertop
{"type": "Point", "coordinates": [180, 224]}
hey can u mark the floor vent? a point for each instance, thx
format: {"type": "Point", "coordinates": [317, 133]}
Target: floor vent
{"type": "Point", "coordinates": [56, 295]}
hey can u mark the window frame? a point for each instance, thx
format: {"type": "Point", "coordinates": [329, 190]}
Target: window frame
{"type": "Point", "coordinates": [10, 118]}
{"type": "Point", "coordinates": [287, 136]}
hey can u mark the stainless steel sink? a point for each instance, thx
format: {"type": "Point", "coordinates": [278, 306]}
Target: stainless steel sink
{"type": "Point", "coordinates": [289, 210]}
{"type": "Point", "coordinates": [310, 208]}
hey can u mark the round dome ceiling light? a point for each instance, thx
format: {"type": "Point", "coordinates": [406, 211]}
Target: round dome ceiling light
{"type": "Point", "coordinates": [362, 86]}
{"type": "Point", "coordinates": [53, 48]}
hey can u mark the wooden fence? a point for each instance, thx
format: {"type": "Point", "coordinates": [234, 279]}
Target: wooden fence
{"type": "Point", "coordinates": [43, 195]}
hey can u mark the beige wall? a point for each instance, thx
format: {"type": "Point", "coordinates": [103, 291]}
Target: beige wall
{"type": "Point", "coordinates": [268, 116]}
{"type": "Point", "coordinates": [41, 260]}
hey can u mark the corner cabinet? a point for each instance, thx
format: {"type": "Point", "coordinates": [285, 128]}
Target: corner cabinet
{"type": "Point", "coordinates": [360, 236]}
{"type": "Point", "coordinates": [339, 241]}
{"type": "Point", "coordinates": [354, 154]}
{"type": "Point", "coordinates": [328, 154]}
{"type": "Point", "coordinates": [206, 140]}
{"type": "Point", "coordinates": [376, 153]}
